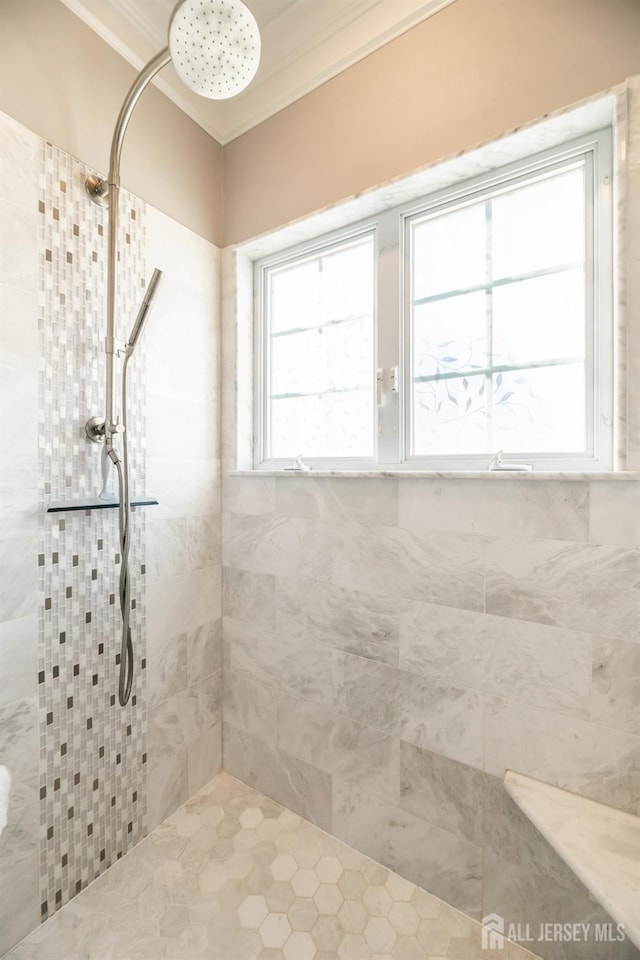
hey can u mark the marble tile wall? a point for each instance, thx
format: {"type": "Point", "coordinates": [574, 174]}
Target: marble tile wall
{"type": "Point", "coordinates": [393, 645]}
{"type": "Point", "coordinates": [21, 161]}
{"type": "Point", "coordinates": [184, 630]}
{"type": "Point", "coordinates": [59, 836]}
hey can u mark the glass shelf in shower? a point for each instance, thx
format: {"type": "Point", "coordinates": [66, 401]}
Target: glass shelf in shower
{"type": "Point", "coordinates": [94, 503]}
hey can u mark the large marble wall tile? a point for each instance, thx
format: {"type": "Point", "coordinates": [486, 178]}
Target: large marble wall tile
{"type": "Point", "coordinates": [183, 488]}
{"type": "Point", "coordinates": [18, 496]}
{"type": "Point", "coordinates": [516, 892]}
{"type": "Point", "coordinates": [253, 495]}
{"type": "Point", "coordinates": [181, 545]}
{"type": "Point", "coordinates": [297, 785]}
{"type": "Point", "coordinates": [18, 659]}
{"type": "Point", "coordinates": [616, 684]}
{"type": "Point", "coordinates": [301, 668]}
{"type": "Point", "coordinates": [360, 623]}
{"type": "Point", "coordinates": [367, 500]}
{"type": "Point", "coordinates": [20, 164]}
{"type": "Point", "coordinates": [579, 586]}
{"type": "Point", "coordinates": [250, 704]}
{"type": "Point", "coordinates": [19, 566]}
{"type": "Point", "coordinates": [445, 864]}
{"type": "Point", "coordinates": [180, 720]}
{"type": "Point", "coordinates": [192, 427]}
{"type": "Point", "coordinates": [18, 255]}
{"type": "Point", "coordinates": [189, 258]}
{"type": "Point", "coordinates": [348, 620]}
{"type": "Point", "coordinates": [183, 603]}
{"type": "Point", "coordinates": [280, 546]}
{"type": "Point", "coordinates": [249, 596]}
{"type": "Point", "coordinates": [19, 854]}
{"type": "Point", "coordinates": [614, 513]}
{"type": "Point", "coordinates": [517, 508]}
{"type": "Point", "coordinates": [596, 761]}
{"type": "Point", "coordinates": [166, 669]}
{"type": "Point", "coordinates": [180, 367]}
{"type": "Point", "coordinates": [434, 567]}
{"type": "Point", "coordinates": [444, 792]}
{"type": "Point", "coordinates": [204, 757]}
{"type": "Point", "coordinates": [19, 896]}
{"type": "Point", "coordinates": [472, 804]}
{"type": "Point", "coordinates": [18, 374]}
{"type": "Point", "coordinates": [167, 785]}
{"type": "Point", "coordinates": [508, 831]}
{"type": "Point", "coordinates": [204, 651]}
{"type": "Point", "coordinates": [427, 712]}
{"type": "Point", "coordinates": [542, 665]}
{"type": "Point", "coordinates": [339, 746]}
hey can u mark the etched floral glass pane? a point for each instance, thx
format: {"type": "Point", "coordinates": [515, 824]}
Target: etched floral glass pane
{"type": "Point", "coordinates": [321, 354]}
{"type": "Point", "coordinates": [502, 364]}
{"type": "Point", "coordinates": [450, 416]}
{"type": "Point", "coordinates": [450, 335]}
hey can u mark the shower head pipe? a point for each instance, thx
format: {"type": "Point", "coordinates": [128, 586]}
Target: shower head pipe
{"type": "Point", "coordinates": [107, 192]}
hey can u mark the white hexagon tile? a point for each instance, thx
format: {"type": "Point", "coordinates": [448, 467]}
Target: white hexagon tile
{"type": "Point", "coordinates": [233, 875]}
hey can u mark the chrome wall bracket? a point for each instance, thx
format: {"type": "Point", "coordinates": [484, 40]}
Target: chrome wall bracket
{"type": "Point", "coordinates": [94, 429]}
{"type": "Point", "coordinates": [97, 190]}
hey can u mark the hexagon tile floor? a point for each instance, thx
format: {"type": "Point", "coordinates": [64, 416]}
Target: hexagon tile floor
{"type": "Point", "coordinates": [234, 876]}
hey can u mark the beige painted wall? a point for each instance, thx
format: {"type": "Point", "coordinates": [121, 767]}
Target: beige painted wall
{"type": "Point", "coordinates": [472, 72]}
{"type": "Point", "coordinates": [59, 79]}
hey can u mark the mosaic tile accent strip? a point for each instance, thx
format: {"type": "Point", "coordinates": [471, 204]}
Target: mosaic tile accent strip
{"type": "Point", "coordinates": [92, 751]}
{"type": "Point", "coordinates": [233, 875]}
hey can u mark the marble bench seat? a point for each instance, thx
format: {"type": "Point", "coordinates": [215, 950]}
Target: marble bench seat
{"type": "Point", "coordinates": [599, 843]}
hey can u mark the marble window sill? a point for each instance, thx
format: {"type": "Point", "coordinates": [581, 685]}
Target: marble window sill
{"type": "Point", "coordinates": [617, 475]}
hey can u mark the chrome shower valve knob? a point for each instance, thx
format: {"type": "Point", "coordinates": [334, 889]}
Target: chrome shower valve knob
{"type": "Point", "coordinates": [94, 429]}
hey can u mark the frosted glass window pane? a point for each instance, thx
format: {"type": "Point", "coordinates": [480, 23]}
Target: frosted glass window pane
{"type": "Point", "coordinates": [541, 410]}
{"type": "Point", "coordinates": [327, 359]}
{"type": "Point", "coordinates": [450, 417]}
{"type": "Point", "coordinates": [346, 285]}
{"type": "Point", "coordinates": [539, 226]}
{"type": "Point", "coordinates": [450, 335]}
{"type": "Point", "coordinates": [337, 357]}
{"type": "Point", "coordinates": [329, 425]}
{"type": "Point", "coordinates": [295, 297]}
{"type": "Point", "coordinates": [449, 252]}
{"type": "Point", "coordinates": [540, 319]}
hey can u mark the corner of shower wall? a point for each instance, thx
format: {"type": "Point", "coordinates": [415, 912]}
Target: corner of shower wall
{"type": "Point", "coordinates": [89, 777]}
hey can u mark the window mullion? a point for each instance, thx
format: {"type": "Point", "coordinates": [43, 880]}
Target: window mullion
{"type": "Point", "coordinates": [489, 382]}
{"type": "Point", "coordinates": [388, 336]}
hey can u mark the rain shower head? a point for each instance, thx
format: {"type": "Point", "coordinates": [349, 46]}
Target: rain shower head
{"type": "Point", "coordinates": [214, 46]}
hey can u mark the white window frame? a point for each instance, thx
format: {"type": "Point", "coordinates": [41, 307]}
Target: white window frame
{"type": "Point", "coordinates": [390, 230]}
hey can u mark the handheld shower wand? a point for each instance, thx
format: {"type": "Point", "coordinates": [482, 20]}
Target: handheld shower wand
{"type": "Point", "coordinates": [145, 309]}
{"type": "Point", "coordinates": [215, 48]}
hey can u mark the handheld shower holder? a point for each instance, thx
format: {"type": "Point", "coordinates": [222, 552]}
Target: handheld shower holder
{"type": "Point", "coordinates": [95, 429]}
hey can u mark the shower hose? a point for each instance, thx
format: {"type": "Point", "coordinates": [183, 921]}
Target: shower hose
{"type": "Point", "coordinates": [124, 523]}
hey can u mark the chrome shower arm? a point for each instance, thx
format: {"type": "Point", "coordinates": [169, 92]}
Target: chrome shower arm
{"type": "Point", "coordinates": [107, 192]}
{"type": "Point", "coordinates": [147, 74]}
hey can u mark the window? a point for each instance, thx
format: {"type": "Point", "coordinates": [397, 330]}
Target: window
{"type": "Point", "coordinates": [475, 321]}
